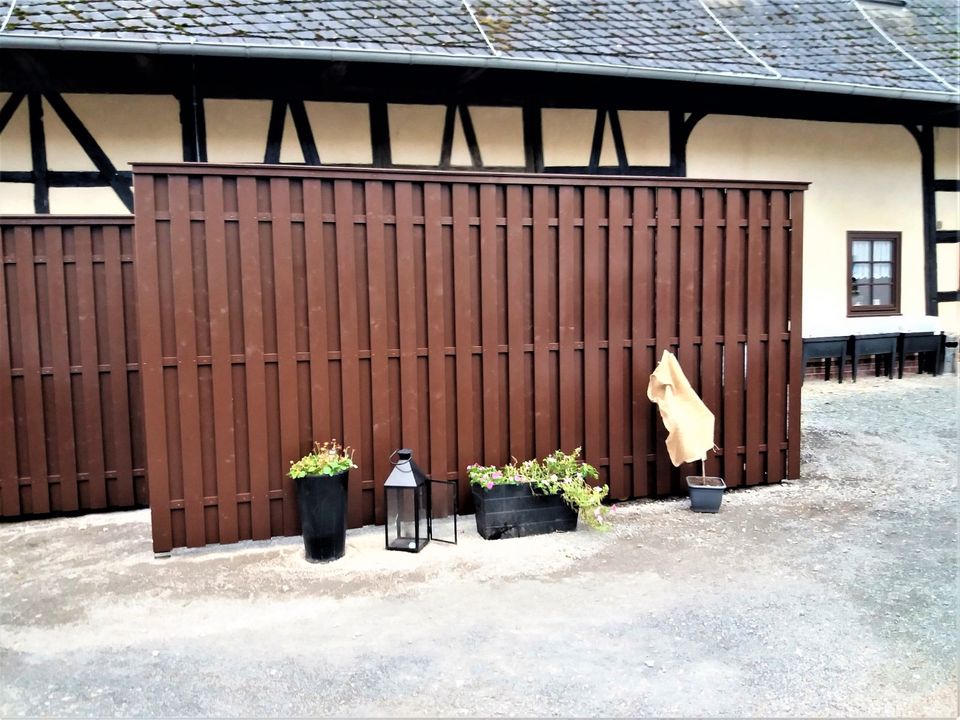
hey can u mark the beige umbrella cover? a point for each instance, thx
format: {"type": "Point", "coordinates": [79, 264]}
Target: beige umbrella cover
{"type": "Point", "coordinates": [688, 421]}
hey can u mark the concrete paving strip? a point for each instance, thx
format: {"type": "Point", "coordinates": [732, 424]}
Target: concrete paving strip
{"type": "Point", "coordinates": [834, 595]}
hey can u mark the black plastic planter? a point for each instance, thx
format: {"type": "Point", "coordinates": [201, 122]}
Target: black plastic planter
{"type": "Point", "coordinates": [509, 511]}
{"type": "Point", "coordinates": [323, 516]}
{"type": "Point", "coordinates": [705, 498]}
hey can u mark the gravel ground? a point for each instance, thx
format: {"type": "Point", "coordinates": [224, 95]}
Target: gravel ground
{"type": "Point", "coordinates": [835, 595]}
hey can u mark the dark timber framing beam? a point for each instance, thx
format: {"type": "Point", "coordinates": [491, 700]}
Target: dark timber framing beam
{"type": "Point", "coordinates": [38, 154]}
{"type": "Point", "coordinates": [924, 138]}
{"type": "Point", "coordinates": [193, 125]}
{"type": "Point", "coordinates": [469, 136]}
{"type": "Point", "coordinates": [380, 134]}
{"type": "Point", "coordinates": [301, 122]}
{"type": "Point", "coordinates": [532, 139]}
{"type": "Point", "coordinates": [278, 115]}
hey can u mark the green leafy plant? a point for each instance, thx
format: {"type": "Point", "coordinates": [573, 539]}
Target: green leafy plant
{"type": "Point", "coordinates": [559, 473]}
{"type": "Point", "coordinates": [330, 458]}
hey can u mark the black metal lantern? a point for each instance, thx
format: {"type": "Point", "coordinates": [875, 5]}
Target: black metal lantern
{"type": "Point", "coordinates": [413, 503]}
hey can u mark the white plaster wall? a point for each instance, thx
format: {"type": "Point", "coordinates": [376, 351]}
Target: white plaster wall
{"type": "Point", "coordinates": [864, 177]}
{"type": "Point", "coordinates": [646, 137]}
{"type": "Point", "coordinates": [567, 136]}
{"type": "Point", "coordinates": [16, 198]}
{"type": "Point", "coordinates": [946, 148]}
{"type": "Point", "coordinates": [15, 139]}
{"type": "Point", "coordinates": [236, 130]}
{"type": "Point", "coordinates": [341, 132]}
{"type": "Point", "coordinates": [499, 135]}
{"type": "Point", "coordinates": [416, 133]}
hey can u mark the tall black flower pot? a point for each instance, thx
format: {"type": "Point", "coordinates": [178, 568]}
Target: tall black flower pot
{"type": "Point", "coordinates": [322, 500]}
{"type": "Point", "coordinates": [509, 511]}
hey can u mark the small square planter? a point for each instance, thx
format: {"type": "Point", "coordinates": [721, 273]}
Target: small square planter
{"type": "Point", "coordinates": [509, 511]}
{"type": "Point", "coordinates": [706, 493]}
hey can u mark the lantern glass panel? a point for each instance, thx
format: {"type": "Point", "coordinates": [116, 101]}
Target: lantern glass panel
{"type": "Point", "coordinates": [406, 519]}
{"type": "Point", "coordinates": [443, 510]}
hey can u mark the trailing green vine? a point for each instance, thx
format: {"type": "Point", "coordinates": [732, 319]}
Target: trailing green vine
{"type": "Point", "coordinates": [559, 473]}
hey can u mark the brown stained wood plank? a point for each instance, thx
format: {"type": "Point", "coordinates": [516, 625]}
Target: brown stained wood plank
{"type": "Point", "coordinates": [617, 279]}
{"type": "Point", "coordinates": [516, 308]}
{"type": "Point", "coordinates": [379, 378]}
{"type": "Point", "coordinates": [712, 260]}
{"type": "Point", "coordinates": [188, 389]}
{"type": "Point", "coordinates": [30, 349]}
{"type": "Point", "coordinates": [795, 255]}
{"type": "Point", "coordinates": [756, 385]}
{"type": "Point", "coordinates": [689, 275]}
{"type": "Point", "coordinates": [489, 297]}
{"type": "Point", "coordinates": [317, 314]}
{"type": "Point", "coordinates": [542, 291]}
{"type": "Point", "coordinates": [777, 357]}
{"type": "Point", "coordinates": [92, 418]}
{"type": "Point", "coordinates": [463, 265]}
{"type": "Point", "coordinates": [221, 365]}
{"type": "Point", "coordinates": [9, 476]}
{"type": "Point", "coordinates": [60, 356]}
{"type": "Point", "coordinates": [252, 292]}
{"type": "Point", "coordinates": [407, 307]}
{"type": "Point", "coordinates": [290, 449]}
{"type": "Point", "coordinates": [117, 334]}
{"type": "Point", "coordinates": [567, 337]}
{"type": "Point", "coordinates": [151, 357]}
{"type": "Point", "coordinates": [666, 279]}
{"type": "Point", "coordinates": [435, 332]}
{"type": "Point", "coordinates": [642, 293]}
{"type": "Point", "coordinates": [593, 297]}
{"type": "Point", "coordinates": [733, 308]}
{"type": "Point", "coordinates": [349, 360]}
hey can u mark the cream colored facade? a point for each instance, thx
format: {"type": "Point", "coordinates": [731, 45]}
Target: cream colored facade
{"type": "Point", "coordinates": [863, 176]}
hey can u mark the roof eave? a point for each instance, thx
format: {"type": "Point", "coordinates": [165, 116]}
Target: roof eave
{"type": "Point", "coordinates": [499, 62]}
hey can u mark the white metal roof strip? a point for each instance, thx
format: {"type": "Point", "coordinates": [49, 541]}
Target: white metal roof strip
{"type": "Point", "coordinates": [900, 49]}
{"type": "Point", "coordinates": [728, 31]}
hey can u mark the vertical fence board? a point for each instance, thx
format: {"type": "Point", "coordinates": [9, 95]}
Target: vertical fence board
{"type": "Point", "coordinates": [795, 295]}
{"type": "Point", "coordinates": [642, 294]}
{"type": "Point", "coordinates": [436, 356]}
{"type": "Point", "coordinates": [221, 360]}
{"type": "Point", "coordinates": [379, 378]}
{"type": "Point", "coordinates": [463, 314]}
{"type": "Point", "coordinates": [349, 348]}
{"type": "Point", "coordinates": [666, 280]}
{"type": "Point", "coordinates": [567, 263]}
{"type": "Point", "coordinates": [60, 359]}
{"type": "Point", "coordinates": [516, 309]}
{"type": "Point", "coordinates": [254, 370]}
{"type": "Point", "coordinates": [120, 404]}
{"type": "Point", "coordinates": [90, 369]}
{"type": "Point", "coordinates": [542, 293]}
{"type": "Point", "coordinates": [9, 475]}
{"type": "Point", "coordinates": [756, 357]}
{"type": "Point", "coordinates": [617, 302]}
{"type": "Point", "coordinates": [777, 356]}
{"type": "Point", "coordinates": [407, 306]}
{"type": "Point", "coordinates": [188, 390]}
{"type": "Point", "coordinates": [733, 308]}
{"type": "Point", "coordinates": [30, 348]}
{"type": "Point", "coordinates": [592, 330]}
{"type": "Point", "coordinates": [712, 259]}
{"type": "Point", "coordinates": [316, 274]}
{"type": "Point", "coordinates": [286, 346]}
{"type": "Point", "coordinates": [492, 452]}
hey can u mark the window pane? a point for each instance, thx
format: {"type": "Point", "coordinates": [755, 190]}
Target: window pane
{"type": "Point", "coordinates": [861, 271]}
{"type": "Point", "coordinates": [861, 251]}
{"type": "Point", "coordinates": [883, 271]}
{"type": "Point", "coordinates": [882, 295]}
{"type": "Point", "coordinates": [861, 294]}
{"type": "Point", "coordinates": [882, 251]}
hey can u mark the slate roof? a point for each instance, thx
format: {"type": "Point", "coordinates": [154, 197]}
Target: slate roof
{"type": "Point", "coordinates": [862, 46]}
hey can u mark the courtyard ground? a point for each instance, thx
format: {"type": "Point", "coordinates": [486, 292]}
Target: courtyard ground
{"type": "Point", "coordinates": [835, 595]}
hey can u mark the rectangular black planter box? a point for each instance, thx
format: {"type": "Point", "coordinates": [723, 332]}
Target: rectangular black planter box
{"type": "Point", "coordinates": [509, 511]}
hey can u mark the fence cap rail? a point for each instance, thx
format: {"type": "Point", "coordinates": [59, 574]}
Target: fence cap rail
{"type": "Point", "coordinates": [66, 220]}
{"type": "Point", "coordinates": [447, 176]}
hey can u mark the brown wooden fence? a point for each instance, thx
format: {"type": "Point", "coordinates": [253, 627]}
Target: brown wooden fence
{"type": "Point", "coordinates": [71, 429]}
{"type": "Point", "coordinates": [469, 317]}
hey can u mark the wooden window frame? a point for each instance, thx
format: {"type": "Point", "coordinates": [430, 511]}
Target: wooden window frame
{"type": "Point", "coordinates": [874, 310]}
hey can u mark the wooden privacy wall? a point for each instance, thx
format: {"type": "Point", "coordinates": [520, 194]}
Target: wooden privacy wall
{"type": "Point", "coordinates": [71, 428]}
{"type": "Point", "coordinates": [472, 318]}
